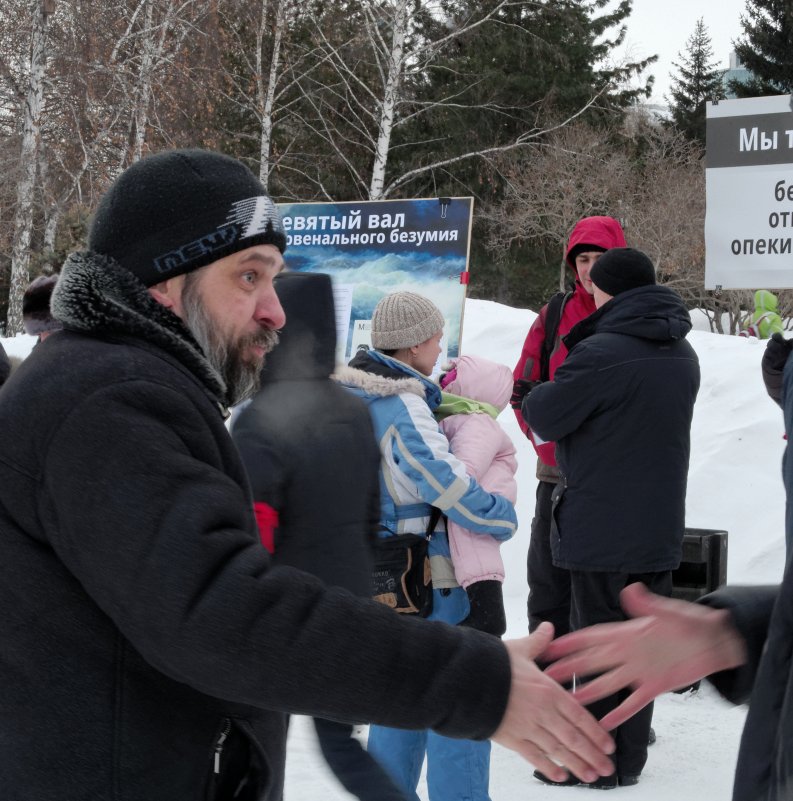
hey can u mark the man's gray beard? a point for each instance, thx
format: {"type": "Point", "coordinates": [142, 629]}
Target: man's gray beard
{"type": "Point", "coordinates": [241, 376]}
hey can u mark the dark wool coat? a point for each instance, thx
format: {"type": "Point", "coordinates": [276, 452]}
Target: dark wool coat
{"type": "Point", "coordinates": [764, 616]}
{"type": "Point", "coordinates": [619, 409]}
{"type": "Point", "coordinates": [143, 628]}
{"type": "Point", "coordinates": [305, 437]}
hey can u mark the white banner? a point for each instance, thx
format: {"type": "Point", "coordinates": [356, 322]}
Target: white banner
{"type": "Point", "coordinates": [749, 192]}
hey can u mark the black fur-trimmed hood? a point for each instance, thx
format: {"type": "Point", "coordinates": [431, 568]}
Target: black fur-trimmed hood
{"type": "Point", "coordinates": [96, 296]}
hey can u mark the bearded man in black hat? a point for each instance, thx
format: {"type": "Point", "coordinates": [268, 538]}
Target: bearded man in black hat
{"type": "Point", "coordinates": [620, 410]}
{"type": "Point", "coordinates": [144, 632]}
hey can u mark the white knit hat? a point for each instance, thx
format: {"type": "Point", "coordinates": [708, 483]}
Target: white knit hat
{"type": "Point", "coordinates": [404, 319]}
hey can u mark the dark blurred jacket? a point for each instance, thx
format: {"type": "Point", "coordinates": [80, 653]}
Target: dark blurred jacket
{"type": "Point", "coordinates": [309, 447]}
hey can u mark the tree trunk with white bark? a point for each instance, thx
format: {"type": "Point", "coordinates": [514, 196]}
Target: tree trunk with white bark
{"type": "Point", "coordinates": [23, 217]}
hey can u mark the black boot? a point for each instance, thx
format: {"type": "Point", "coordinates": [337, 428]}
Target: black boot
{"type": "Point", "coordinates": [487, 607]}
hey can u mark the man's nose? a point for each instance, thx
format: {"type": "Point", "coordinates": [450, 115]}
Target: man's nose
{"type": "Point", "coordinates": [269, 311]}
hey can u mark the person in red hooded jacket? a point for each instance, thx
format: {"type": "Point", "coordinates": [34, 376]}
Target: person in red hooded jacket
{"type": "Point", "coordinates": [549, 586]}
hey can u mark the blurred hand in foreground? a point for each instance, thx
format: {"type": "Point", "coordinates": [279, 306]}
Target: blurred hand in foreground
{"type": "Point", "coordinates": [545, 724]}
{"type": "Point", "coordinates": [667, 645]}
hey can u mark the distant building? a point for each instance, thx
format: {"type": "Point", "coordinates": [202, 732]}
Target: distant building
{"type": "Point", "coordinates": [639, 115]}
{"type": "Point", "coordinates": [659, 111]}
{"type": "Point", "coordinates": [736, 72]}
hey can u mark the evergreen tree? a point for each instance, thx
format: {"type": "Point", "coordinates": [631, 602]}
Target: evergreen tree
{"type": "Point", "coordinates": [698, 80]}
{"type": "Point", "coordinates": [537, 63]}
{"type": "Point", "coordinates": [766, 49]}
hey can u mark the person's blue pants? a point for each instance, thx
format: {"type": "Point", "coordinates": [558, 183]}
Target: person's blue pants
{"type": "Point", "coordinates": [457, 770]}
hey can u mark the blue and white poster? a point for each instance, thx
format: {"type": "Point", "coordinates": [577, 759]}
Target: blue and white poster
{"type": "Point", "coordinates": [371, 249]}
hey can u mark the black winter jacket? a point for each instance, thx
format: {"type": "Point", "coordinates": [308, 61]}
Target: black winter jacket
{"type": "Point", "coordinates": [764, 617]}
{"type": "Point", "coordinates": [305, 437]}
{"type": "Point", "coordinates": [619, 410]}
{"type": "Point", "coordinates": [143, 629]}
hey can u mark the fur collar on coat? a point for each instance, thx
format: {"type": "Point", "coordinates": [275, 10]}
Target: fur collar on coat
{"type": "Point", "coordinates": [96, 296]}
{"type": "Point", "coordinates": [378, 385]}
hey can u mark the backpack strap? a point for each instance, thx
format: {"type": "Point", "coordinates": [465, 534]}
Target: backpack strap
{"type": "Point", "coordinates": [435, 517]}
{"type": "Point", "coordinates": [553, 317]}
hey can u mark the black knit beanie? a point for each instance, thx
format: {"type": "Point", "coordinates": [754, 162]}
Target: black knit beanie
{"type": "Point", "coordinates": [621, 269]}
{"type": "Point", "coordinates": [36, 316]}
{"type": "Point", "coordinates": [179, 210]}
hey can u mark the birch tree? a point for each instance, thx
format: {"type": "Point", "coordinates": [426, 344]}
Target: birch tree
{"type": "Point", "coordinates": [375, 74]}
{"type": "Point", "coordinates": [23, 217]}
{"type": "Point", "coordinates": [98, 87]}
{"type": "Point", "coordinates": [374, 106]}
{"type": "Point", "coordinates": [153, 35]}
{"type": "Point", "coordinates": [264, 65]}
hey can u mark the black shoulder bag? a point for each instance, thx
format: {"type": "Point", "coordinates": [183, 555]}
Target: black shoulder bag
{"type": "Point", "coordinates": [401, 575]}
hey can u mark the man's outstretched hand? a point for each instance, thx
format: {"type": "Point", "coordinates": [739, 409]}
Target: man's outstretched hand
{"type": "Point", "coordinates": [545, 724]}
{"type": "Point", "coordinates": [667, 645]}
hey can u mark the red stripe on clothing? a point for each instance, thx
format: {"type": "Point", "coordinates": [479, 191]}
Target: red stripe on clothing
{"type": "Point", "coordinates": [267, 520]}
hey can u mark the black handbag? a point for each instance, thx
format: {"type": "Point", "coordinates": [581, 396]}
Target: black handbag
{"type": "Point", "coordinates": [401, 574]}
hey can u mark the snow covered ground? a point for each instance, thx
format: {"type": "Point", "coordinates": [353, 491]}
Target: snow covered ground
{"type": "Point", "coordinates": [734, 484]}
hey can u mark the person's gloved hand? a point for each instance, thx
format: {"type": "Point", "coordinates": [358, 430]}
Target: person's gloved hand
{"type": "Point", "coordinates": [520, 389]}
{"type": "Point", "coordinates": [777, 351]}
{"type": "Point", "coordinates": [487, 607]}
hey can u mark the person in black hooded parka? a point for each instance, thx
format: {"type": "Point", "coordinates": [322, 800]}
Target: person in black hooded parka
{"type": "Point", "coordinates": [316, 497]}
{"type": "Point", "coordinates": [620, 410]}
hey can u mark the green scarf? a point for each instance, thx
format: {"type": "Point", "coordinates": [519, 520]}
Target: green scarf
{"type": "Point", "coordinates": [455, 404]}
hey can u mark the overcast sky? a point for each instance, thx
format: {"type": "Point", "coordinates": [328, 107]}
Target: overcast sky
{"type": "Point", "coordinates": [662, 27]}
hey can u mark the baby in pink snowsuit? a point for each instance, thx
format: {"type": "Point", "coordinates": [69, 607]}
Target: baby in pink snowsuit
{"type": "Point", "coordinates": [475, 391]}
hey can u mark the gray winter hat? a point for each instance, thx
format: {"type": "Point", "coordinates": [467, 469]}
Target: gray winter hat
{"type": "Point", "coordinates": [404, 319]}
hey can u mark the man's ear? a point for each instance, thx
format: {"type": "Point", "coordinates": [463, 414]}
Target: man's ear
{"type": "Point", "coordinates": [169, 293]}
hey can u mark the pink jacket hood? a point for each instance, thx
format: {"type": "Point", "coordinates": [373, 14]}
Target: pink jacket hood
{"type": "Point", "coordinates": [481, 380]}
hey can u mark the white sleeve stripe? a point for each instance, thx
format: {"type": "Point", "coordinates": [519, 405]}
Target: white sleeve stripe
{"type": "Point", "coordinates": [449, 497]}
{"type": "Point", "coordinates": [488, 522]}
{"type": "Point", "coordinates": [419, 467]}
